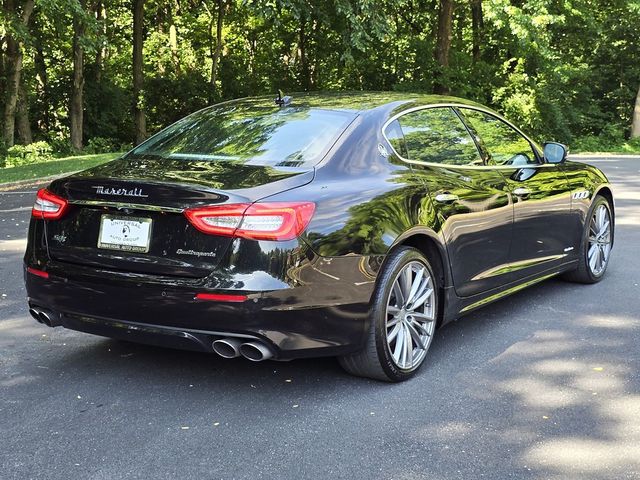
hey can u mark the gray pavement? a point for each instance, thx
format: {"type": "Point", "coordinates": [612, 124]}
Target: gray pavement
{"type": "Point", "coordinates": [544, 384]}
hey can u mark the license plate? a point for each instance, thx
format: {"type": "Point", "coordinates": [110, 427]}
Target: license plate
{"type": "Point", "coordinates": [130, 234]}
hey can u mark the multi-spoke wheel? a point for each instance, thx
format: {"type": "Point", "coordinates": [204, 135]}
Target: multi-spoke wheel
{"type": "Point", "coordinates": [599, 240]}
{"type": "Point", "coordinates": [410, 318]}
{"type": "Point", "coordinates": [403, 321]}
{"type": "Point", "coordinates": [596, 244]}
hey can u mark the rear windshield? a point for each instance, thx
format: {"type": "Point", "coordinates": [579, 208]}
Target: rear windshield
{"type": "Point", "coordinates": [250, 134]}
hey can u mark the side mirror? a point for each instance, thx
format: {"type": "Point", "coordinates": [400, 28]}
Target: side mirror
{"type": "Point", "coordinates": [555, 152]}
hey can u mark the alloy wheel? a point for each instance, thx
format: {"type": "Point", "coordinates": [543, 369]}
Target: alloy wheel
{"type": "Point", "coordinates": [599, 240]}
{"type": "Point", "coordinates": [410, 316]}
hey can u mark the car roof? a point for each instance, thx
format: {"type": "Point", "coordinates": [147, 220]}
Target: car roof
{"type": "Point", "coordinates": [359, 102]}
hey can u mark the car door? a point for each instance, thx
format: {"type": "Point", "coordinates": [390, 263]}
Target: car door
{"type": "Point", "coordinates": [472, 202]}
{"type": "Point", "coordinates": [542, 232]}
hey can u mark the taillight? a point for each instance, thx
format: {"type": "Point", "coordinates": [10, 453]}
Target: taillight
{"type": "Point", "coordinates": [258, 221]}
{"type": "Point", "coordinates": [48, 205]}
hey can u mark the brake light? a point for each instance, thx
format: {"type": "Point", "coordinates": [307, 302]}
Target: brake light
{"type": "Point", "coordinates": [258, 221]}
{"type": "Point", "coordinates": [48, 205]}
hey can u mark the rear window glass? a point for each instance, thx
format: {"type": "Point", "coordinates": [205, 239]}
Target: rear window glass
{"type": "Point", "coordinates": [252, 135]}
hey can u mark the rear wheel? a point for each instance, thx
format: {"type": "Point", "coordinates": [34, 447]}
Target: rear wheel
{"type": "Point", "coordinates": [596, 244]}
{"type": "Point", "coordinates": [403, 320]}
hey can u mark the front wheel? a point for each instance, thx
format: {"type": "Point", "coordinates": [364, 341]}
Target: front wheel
{"type": "Point", "coordinates": [597, 241]}
{"type": "Point", "coordinates": [403, 319]}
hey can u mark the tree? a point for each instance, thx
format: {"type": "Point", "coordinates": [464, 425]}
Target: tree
{"type": "Point", "coordinates": [635, 123]}
{"type": "Point", "coordinates": [16, 22]}
{"type": "Point", "coordinates": [443, 44]}
{"type": "Point", "coordinates": [76, 104]}
{"type": "Point", "coordinates": [138, 79]}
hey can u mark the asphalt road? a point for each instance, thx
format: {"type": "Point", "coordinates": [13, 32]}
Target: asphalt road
{"type": "Point", "coordinates": [542, 385]}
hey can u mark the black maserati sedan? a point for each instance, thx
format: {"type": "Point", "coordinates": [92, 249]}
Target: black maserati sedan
{"type": "Point", "coordinates": [347, 225]}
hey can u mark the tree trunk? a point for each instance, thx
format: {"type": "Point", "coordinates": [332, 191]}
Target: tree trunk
{"type": "Point", "coordinates": [635, 122]}
{"type": "Point", "coordinates": [138, 79]}
{"type": "Point", "coordinates": [76, 104]}
{"type": "Point", "coordinates": [443, 44]}
{"type": "Point", "coordinates": [22, 117]}
{"type": "Point", "coordinates": [14, 71]}
{"type": "Point", "coordinates": [173, 36]}
{"type": "Point", "coordinates": [42, 79]}
{"type": "Point", "coordinates": [302, 51]}
{"type": "Point", "coordinates": [101, 16]}
{"type": "Point", "coordinates": [477, 26]}
{"type": "Point", "coordinates": [217, 51]}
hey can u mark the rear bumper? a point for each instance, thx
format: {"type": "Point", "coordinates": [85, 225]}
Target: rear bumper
{"type": "Point", "coordinates": [323, 313]}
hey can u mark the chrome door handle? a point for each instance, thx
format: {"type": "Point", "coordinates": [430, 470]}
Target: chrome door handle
{"type": "Point", "coordinates": [446, 197]}
{"type": "Point", "coordinates": [522, 192]}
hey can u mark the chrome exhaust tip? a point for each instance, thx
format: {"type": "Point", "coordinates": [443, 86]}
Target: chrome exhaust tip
{"type": "Point", "coordinates": [35, 314]}
{"type": "Point", "coordinates": [45, 318]}
{"type": "Point", "coordinates": [255, 351]}
{"type": "Point", "coordinates": [227, 347]}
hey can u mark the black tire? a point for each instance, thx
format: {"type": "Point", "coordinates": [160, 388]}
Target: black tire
{"type": "Point", "coordinates": [583, 272]}
{"type": "Point", "coordinates": [375, 359]}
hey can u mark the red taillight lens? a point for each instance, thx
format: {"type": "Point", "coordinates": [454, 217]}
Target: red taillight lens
{"type": "Point", "coordinates": [258, 221]}
{"type": "Point", "coordinates": [48, 205]}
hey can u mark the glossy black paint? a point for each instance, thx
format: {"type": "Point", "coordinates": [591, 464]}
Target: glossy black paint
{"type": "Point", "coordinates": [309, 296]}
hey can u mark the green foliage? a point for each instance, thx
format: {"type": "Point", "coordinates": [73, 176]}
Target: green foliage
{"type": "Point", "coordinates": [28, 154]}
{"type": "Point", "coordinates": [563, 70]}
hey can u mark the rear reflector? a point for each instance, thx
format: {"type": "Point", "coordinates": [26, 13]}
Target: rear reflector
{"type": "Point", "coordinates": [39, 273]}
{"type": "Point", "coordinates": [220, 297]}
{"type": "Point", "coordinates": [257, 221]}
{"type": "Point", "coordinates": [48, 205]}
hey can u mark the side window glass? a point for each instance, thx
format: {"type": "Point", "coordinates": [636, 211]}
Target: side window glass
{"type": "Point", "coordinates": [505, 145]}
{"type": "Point", "coordinates": [396, 138]}
{"type": "Point", "coordinates": [437, 135]}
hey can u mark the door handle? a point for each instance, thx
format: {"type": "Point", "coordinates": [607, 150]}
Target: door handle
{"type": "Point", "coordinates": [522, 192]}
{"type": "Point", "coordinates": [446, 197]}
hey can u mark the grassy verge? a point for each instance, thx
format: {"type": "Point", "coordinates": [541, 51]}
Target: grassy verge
{"type": "Point", "coordinates": [595, 145]}
{"type": "Point", "coordinates": [53, 167]}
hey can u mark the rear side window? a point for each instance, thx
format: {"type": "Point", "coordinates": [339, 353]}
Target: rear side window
{"type": "Point", "coordinates": [396, 138]}
{"type": "Point", "coordinates": [505, 145]}
{"type": "Point", "coordinates": [249, 134]}
{"type": "Point", "coordinates": [437, 135]}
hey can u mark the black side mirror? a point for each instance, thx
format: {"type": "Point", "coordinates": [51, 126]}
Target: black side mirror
{"type": "Point", "coordinates": [555, 152]}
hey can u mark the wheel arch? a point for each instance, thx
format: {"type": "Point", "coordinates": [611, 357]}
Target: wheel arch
{"type": "Point", "coordinates": [430, 245]}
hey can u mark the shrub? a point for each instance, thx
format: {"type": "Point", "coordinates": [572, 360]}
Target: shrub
{"type": "Point", "coordinates": [102, 145]}
{"type": "Point", "coordinates": [27, 154]}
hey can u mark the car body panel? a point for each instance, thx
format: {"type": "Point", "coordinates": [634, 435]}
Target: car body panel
{"type": "Point", "coordinates": [309, 296]}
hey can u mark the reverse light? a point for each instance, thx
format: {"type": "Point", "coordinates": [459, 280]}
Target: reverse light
{"type": "Point", "coordinates": [257, 221]}
{"type": "Point", "coordinates": [48, 205]}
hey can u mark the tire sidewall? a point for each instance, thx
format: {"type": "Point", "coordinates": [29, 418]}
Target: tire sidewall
{"type": "Point", "coordinates": [379, 310]}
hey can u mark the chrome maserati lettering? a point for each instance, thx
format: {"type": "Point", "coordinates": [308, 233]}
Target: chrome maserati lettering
{"type": "Point", "coordinates": [124, 192]}
{"type": "Point", "coordinates": [194, 253]}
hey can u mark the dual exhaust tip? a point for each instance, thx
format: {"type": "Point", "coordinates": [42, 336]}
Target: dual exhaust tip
{"type": "Point", "coordinates": [45, 317]}
{"type": "Point", "coordinates": [234, 347]}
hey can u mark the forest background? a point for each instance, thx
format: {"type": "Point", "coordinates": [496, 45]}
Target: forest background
{"type": "Point", "coordinates": [93, 76]}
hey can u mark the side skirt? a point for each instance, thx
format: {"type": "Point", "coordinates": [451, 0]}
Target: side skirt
{"type": "Point", "coordinates": [456, 306]}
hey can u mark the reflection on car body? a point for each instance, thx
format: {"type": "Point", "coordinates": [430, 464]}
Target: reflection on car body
{"type": "Point", "coordinates": [348, 225]}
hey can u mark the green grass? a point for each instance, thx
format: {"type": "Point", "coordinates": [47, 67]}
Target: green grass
{"type": "Point", "coordinates": [595, 145]}
{"type": "Point", "coordinates": [53, 167]}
